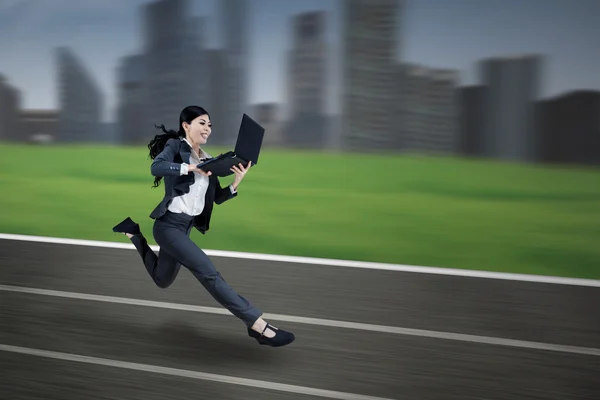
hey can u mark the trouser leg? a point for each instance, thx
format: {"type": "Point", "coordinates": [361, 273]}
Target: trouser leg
{"type": "Point", "coordinates": [163, 269]}
{"type": "Point", "coordinates": [177, 243]}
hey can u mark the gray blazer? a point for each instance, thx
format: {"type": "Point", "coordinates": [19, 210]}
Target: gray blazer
{"type": "Point", "coordinates": [168, 164]}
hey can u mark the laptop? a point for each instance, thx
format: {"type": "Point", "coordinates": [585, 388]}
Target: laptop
{"type": "Point", "coordinates": [247, 148]}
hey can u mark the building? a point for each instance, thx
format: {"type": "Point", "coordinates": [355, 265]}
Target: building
{"type": "Point", "coordinates": [266, 114]}
{"type": "Point", "coordinates": [198, 79]}
{"type": "Point", "coordinates": [512, 87]}
{"type": "Point", "coordinates": [306, 81]}
{"type": "Point", "coordinates": [80, 100]}
{"type": "Point", "coordinates": [369, 67]}
{"type": "Point", "coordinates": [39, 126]}
{"type": "Point", "coordinates": [429, 119]}
{"type": "Point", "coordinates": [10, 104]}
{"type": "Point", "coordinates": [216, 104]}
{"type": "Point", "coordinates": [172, 49]}
{"type": "Point", "coordinates": [570, 128]}
{"type": "Point", "coordinates": [471, 102]}
{"type": "Point", "coordinates": [233, 16]}
{"type": "Point", "coordinates": [132, 105]}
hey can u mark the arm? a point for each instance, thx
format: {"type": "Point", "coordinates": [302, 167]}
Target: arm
{"type": "Point", "coordinates": [163, 164]}
{"type": "Point", "coordinates": [224, 194]}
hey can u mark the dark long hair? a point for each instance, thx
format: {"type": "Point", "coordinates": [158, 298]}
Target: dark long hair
{"type": "Point", "coordinates": [157, 145]}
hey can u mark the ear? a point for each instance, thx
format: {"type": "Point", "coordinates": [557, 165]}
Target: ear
{"type": "Point", "coordinates": [185, 125]}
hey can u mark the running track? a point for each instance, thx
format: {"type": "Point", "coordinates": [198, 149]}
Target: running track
{"type": "Point", "coordinates": [85, 321]}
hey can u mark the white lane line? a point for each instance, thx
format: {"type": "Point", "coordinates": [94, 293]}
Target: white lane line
{"type": "Point", "coordinates": [188, 374]}
{"type": "Point", "coordinates": [316, 321]}
{"type": "Point", "coordinates": [328, 262]}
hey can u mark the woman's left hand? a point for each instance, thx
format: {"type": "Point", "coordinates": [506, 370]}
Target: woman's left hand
{"type": "Point", "coordinates": [240, 172]}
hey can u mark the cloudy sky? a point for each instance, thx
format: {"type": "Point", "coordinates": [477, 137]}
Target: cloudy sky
{"type": "Point", "coordinates": [439, 33]}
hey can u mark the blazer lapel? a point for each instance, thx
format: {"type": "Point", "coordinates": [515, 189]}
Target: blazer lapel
{"type": "Point", "coordinates": [182, 183]}
{"type": "Point", "coordinates": [185, 151]}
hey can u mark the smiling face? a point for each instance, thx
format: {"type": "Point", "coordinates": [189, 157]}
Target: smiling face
{"type": "Point", "coordinates": [198, 130]}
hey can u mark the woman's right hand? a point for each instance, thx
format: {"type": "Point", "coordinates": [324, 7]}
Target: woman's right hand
{"type": "Point", "coordinates": [194, 168]}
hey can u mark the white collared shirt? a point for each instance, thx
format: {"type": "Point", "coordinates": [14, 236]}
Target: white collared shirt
{"type": "Point", "coordinates": [192, 203]}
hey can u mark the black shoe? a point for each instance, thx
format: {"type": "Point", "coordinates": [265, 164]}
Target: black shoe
{"type": "Point", "coordinates": [281, 338]}
{"type": "Point", "coordinates": [127, 226]}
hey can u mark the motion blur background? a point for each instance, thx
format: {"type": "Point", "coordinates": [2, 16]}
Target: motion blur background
{"type": "Point", "coordinates": [459, 133]}
{"type": "Point", "coordinates": [449, 133]}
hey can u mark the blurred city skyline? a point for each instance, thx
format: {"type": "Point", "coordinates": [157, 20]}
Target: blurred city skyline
{"type": "Point", "coordinates": [518, 83]}
{"type": "Point", "coordinates": [440, 34]}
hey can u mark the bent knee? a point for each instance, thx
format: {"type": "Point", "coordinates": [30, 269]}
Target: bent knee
{"type": "Point", "coordinates": [163, 283]}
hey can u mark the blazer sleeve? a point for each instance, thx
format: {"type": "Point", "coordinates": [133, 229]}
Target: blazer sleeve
{"type": "Point", "coordinates": [163, 164]}
{"type": "Point", "coordinates": [223, 194]}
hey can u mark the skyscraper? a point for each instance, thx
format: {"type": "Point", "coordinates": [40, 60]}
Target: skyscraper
{"type": "Point", "coordinates": [10, 104]}
{"type": "Point", "coordinates": [570, 128]}
{"type": "Point", "coordinates": [368, 92]}
{"type": "Point", "coordinates": [80, 100]}
{"type": "Point", "coordinates": [216, 104]}
{"type": "Point", "coordinates": [266, 114]}
{"type": "Point", "coordinates": [197, 79]}
{"type": "Point", "coordinates": [132, 106]}
{"type": "Point", "coordinates": [509, 122]}
{"type": "Point", "coordinates": [233, 15]}
{"type": "Point", "coordinates": [172, 48]}
{"type": "Point", "coordinates": [471, 102]}
{"type": "Point", "coordinates": [429, 121]}
{"type": "Point", "coordinates": [306, 82]}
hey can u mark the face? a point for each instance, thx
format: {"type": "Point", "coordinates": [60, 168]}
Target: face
{"type": "Point", "coordinates": [198, 130]}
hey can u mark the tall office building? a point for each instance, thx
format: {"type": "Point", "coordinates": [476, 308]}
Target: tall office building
{"type": "Point", "coordinates": [172, 49]}
{"type": "Point", "coordinates": [512, 86]}
{"type": "Point", "coordinates": [399, 107]}
{"type": "Point", "coordinates": [266, 114]}
{"type": "Point", "coordinates": [216, 104]}
{"type": "Point", "coordinates": [471, 100]}
{"type": "Point", "coordinates": [570, 128]}
{"type": "Point", "coordinates": [198, 64]}
{"type": "Point", "coordinates": [306, 82]}
{"type": "Point", "coordinates": [430, 118]}
{"type": "Point", "coordinates": [233, 15]}
{"type": "Point", "coordinates": [368, 92]}
{"type": "Point", "coordinates": [10, 104]}
{"type": "Point", "coordinates": [132, 103]}
{"type": "Point", "coordinates": [80, 100]}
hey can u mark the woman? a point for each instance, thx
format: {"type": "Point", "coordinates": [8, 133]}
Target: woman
{"type": "Point", "coordinates": [188, 202]}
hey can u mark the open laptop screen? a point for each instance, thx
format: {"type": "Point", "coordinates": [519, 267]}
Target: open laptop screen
{"type": "Point", "coordinates": [249, 139]}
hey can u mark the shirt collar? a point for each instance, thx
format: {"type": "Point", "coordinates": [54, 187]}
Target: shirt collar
{"type": "Point", "coordinates": [203, 153]}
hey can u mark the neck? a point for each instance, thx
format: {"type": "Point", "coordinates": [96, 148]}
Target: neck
{"type": "Point", "coordinates": [195, 146]}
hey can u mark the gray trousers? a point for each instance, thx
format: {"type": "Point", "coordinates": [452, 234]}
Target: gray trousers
{"type": "Point", "coordinates": [172, 233]}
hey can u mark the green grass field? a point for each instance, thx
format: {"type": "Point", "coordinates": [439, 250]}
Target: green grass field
{"type": "Point", "coordinates": [409, 210]}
